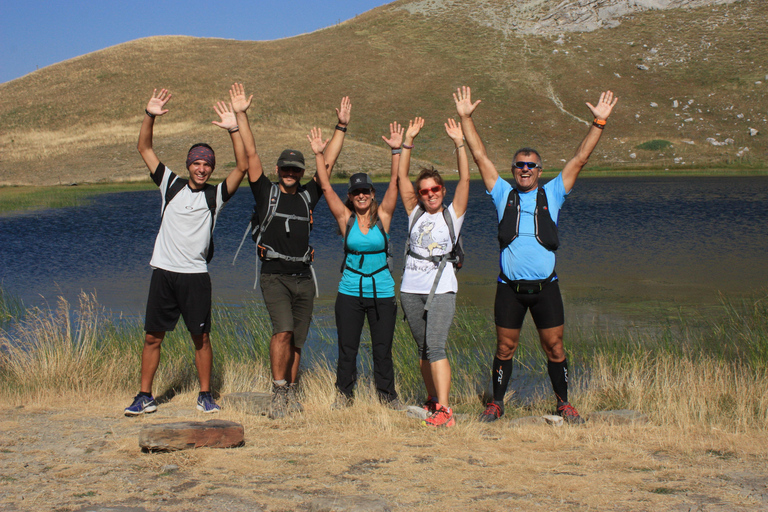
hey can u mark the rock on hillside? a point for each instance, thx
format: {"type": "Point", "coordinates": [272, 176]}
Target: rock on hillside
{"type": "Point", "coordinates": [542, 17]}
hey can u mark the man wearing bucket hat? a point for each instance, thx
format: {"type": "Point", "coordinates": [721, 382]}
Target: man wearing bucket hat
{"type": "Point", "coordinates": [287, 281]}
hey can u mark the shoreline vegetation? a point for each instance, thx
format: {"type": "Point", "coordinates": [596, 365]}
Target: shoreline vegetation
{"type": "Point", "coordinates": [21, 199]}
{"type": "Point", "coordinates": [708, 375]}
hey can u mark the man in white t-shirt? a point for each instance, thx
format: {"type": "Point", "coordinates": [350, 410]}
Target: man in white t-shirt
{"type": "Point", "coordinates": [180, 284]}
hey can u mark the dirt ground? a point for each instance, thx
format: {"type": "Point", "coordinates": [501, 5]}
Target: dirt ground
{"type": "Point", "coordinates": [68, 455]}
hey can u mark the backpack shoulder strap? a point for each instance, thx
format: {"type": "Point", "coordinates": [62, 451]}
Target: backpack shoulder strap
{"type": "Point", "coordinates": [449, 222]}
{"type": "Point", "coordinates": [174, 187]}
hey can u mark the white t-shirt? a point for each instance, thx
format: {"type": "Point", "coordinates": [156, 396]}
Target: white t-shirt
{"type": "Point", "coordinates": [430, 237]}
{"type": "Point", "coordinates": [185, 231]}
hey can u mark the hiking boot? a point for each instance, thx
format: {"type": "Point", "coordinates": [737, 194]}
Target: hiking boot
{"type": "Point", "coordinates": [294, 406]}
{"type": "Point", "coordinates": [396, 405]}
{"type": "Point", "coordinates": [430, 404]}
{"type": "Point", "coordinates": [442, 417]}
{"type": "Point", "coordinates": [342, 402]}
{"type": "Point", "coordinates": [206, 403]}
{"type": "Point", "coordinates": [493, 411]}
{"type": "Point", "coordinates": [569, 413]}
{"type": "Point", "coordinates": [140, 405]}
{"type": "Point", "coordinates": [278, 407]}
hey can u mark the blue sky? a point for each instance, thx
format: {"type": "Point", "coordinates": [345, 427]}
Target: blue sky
{"type": "Point", "coordinates": [35, 34]}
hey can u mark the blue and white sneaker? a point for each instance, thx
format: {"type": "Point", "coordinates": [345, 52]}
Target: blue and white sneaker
{"type": "Point", "coordinates": [140, 405]}
{"type": "Point", "coordinates": [206, 404]}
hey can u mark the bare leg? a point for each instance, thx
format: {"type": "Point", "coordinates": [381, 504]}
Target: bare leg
{"type": "Point", "coordinates": [203, 360]}
{"type": "Point", "coordinates": [295, 360]}
{"type": "Point", "coordinates": [281, 355]}
{"type": "Point", "coordinates": [426, 374]}
{"type": "Point", "coordinates": [441, 376]}
{"type": "Point", "coordinates": [552, 343]}
{"type": "Point", "coordinates": [150, 359]}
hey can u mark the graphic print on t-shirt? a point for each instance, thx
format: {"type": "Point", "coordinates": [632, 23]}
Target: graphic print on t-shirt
{"type": "Point", "coordinates": [425, 240]}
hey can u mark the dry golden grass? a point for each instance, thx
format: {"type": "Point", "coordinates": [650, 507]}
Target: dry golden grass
{"type": "Point", "coordinates": [68, 451]}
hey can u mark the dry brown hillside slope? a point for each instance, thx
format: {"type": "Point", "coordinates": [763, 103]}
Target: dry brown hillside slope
{"type": "Point", "coordinates": [695, 76]}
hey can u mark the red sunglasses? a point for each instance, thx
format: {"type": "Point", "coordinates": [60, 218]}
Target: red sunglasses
{"type": "Point", "coordinates": [434, 190]}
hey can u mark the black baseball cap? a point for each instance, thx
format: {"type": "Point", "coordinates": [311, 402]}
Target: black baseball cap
{"type": "Point", "coordinates": [360, 180]}
{"type": "Point", "coordinates": [291, 158]}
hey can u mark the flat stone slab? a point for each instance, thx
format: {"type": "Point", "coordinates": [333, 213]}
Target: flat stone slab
{"type": "Point", "coordinates": [619, 417]}
{"type": "Point", "coordinates": [247, 402]}
{"type": "Point", "coordinates": [168, 437]}
{"type": "Point", "coordinates": [554, 420]}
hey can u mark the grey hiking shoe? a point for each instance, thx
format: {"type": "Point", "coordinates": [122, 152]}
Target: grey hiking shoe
{"type": "Point", "coordinates": [294, 406]}
{"type": "Point", "coordinates": [342, 402]}
{"type": "Point", "coordinates": [396, 405]}
{"type": "Point", "coordinates": [493, 411]}
{"type": "Point", "coordinates": [278, 407]}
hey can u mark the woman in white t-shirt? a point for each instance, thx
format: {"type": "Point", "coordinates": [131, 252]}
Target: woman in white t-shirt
{"type": "Point", "coordinates": [428, 290]}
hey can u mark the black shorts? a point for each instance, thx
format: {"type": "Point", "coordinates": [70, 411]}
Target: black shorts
{"type": "Point", "coordinates": [546, 307]}
{"type": "Point", "coordinates": [172, 294]}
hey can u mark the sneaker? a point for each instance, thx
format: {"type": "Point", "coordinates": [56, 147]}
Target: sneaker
{"type": "Point", "coordinates": [493, 411]}
{"type": "Point", "coordinates": [442, 417]}
{"type": "Point", "coordinates": [140, 405]}
{"type": "Point", "coordinates": [294, 406]}
{"type": "Point", "coordinates": [206, 404]}
{"type": "Point", "coordinates": [342, 402]}
{"type": "Point", "coordinates": [569, 413]}
{"type": "Point", "coordinates": [278, 407]}
{"type": "Point", "coordinates": [396, 405]}
{"type": "Point", "coordinates": [430, 404]}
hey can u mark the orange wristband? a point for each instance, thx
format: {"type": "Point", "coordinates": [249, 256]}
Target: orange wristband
{"type": "Point", "coordinates": [601, 122]}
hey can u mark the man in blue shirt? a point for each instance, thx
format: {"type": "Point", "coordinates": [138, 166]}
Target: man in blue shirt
{"type": "Point", "coordinates": [528, 237]}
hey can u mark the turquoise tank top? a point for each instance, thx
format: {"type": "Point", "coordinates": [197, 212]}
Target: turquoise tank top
{"type": "Point", "coordinates": [350, 281]}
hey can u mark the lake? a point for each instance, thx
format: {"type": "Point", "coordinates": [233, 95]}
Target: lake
{"type": "Point", "coordinates": [631, 248]}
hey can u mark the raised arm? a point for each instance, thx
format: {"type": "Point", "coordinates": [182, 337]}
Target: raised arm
{"type": "Point", "coordinates": [155, 107]}
{"type": "Point", "coordinates": [388, 203]}
{"type": "Point", "coordinates": [461, 196]}
{"type": "Point", "coordinates": [339, 210]}
{"type": "Point", "coordinates": [228, 121]}
{"type": "Point", "coordinates": [332, 151]}
{"type": "Point", "coordinates": [407, 194]}
{"type": "Point", "coordinates": [240, 104]}
{"type": "Point", "coordinates": [465, 108]}
{"type": "Point", "coordinates": [601, 111]}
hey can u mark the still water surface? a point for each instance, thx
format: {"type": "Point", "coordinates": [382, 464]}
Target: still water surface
{"type": "Point", "coordinates": [627, 244]}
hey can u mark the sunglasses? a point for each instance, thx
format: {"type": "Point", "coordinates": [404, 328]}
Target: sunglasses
{"type": "Point", "coordinates": [359, 191]}
{"type": "Point", "coordinates": [530, 165]}
{"type": "Point", "coordinates": [434, 190]}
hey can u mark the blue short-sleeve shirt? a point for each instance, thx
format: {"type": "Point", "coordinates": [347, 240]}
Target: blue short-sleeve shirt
{"type": "Point", "coordinates": [525, 258]}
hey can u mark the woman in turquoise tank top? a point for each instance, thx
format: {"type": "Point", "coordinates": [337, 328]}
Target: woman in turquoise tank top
{"type": "Point", "coordinates": [366, 289]}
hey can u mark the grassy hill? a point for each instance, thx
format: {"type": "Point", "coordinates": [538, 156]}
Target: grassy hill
{"type": "Point", "coordinates": [77, 121]}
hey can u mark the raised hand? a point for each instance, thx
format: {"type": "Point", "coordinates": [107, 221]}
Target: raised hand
{"type": "Point", "coordinates": [604, 106]}
{"type": "Point", "coordinates": [453, 129]}
{"type": "Point", "coordinates": [157, 102]}
{"type": "Point", "coordinates": [463, 99]}
{"type": "Point", "coordinates": [344, 113]}
{"type": "Point", "coordinates": [315, 138]}
{"type": "Point", "coordinates": [414, 127]}
{"type": "Point", "coordinates": [395, 139]}
{"type": "Point", "coordinates": [228, 120]}
{"type": "Point", "coordinates": [238, 99]}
